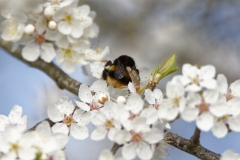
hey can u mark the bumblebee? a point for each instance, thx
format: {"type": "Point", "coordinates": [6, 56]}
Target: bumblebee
{"type": "Point", "coordinates": [122, 71]}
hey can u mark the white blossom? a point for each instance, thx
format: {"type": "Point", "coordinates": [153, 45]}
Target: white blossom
{"type": "Point", "coordinates": [174, 103]}
{"type": "Point", "coordinates": [204, 109]}
{"type": "Point", "coordinates": [73, 21]}
{"type": "Point", "coordinates": [230, 155]}
{"type": "Point", "coordinates": [94, 101]}
{"type": "Point", "coordinates": [69, 55]}
{"type": "Point", "coordinates": [195, 79]}
{"type": "Point", "coordinates": [68, 120]}
{"type": "Point", "coordinates": [13, 26]}
{"type": "Point", "coordinates": [14, 118]}
{"type": "Point", "coordinates": [107, 155]}
{"type": "Point", "coordinates": [105, 121]}
{"type": "Point", "coordinates": [139, 134]}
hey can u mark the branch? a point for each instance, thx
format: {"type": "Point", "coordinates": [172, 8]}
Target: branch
{"type": "Point", "coordinates": [35, 126]}
{"type": "Point", "coordinates": [189, 147]}
{"type": "Point", "coordinates": [62, 79]}
{"type": "Point", "coordinates": [66, 82]}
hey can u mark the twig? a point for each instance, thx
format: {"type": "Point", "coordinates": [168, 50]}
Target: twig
{"type": "Point", "coordinates": [115, 147]}
{"type": "Point", "coordinates": [65, 82]}
{"type": "Point", "coordinates": [187, 146]}
{"type": "Point", "coordinates": [195, 139]}
{"type": "Point", "coordinates": [34, 127]}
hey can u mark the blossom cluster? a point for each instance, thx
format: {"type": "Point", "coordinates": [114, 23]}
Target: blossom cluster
{"type": "Point", "coordinates": [197, 95]}
{"type": "Point", "coordinates": [128, 122]}
{"type": "Point", "coordinates": [39, 143]}
{"type": "Point", "coordinates": [52, 29]}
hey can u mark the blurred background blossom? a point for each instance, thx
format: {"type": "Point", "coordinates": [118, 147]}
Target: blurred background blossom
{"type": "Point", "coordinates": [198, 32]}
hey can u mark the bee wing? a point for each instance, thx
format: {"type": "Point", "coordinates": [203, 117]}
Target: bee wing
{"type": "Point", "coordinates": [144, 74]}
{"type": "Point", "coordinates": [119, 70]}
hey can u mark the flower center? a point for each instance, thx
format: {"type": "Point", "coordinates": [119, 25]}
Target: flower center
{"type": "Point", "coordinates": [109, 124]}
{"type": "Point", "coordinates": [68, 52]}
{"type": "Point", "coordinates": [93, 106]}
{"type": "Point", "coordinates": [12, 28]}
{"type": "Point", "coordinates": [68, 120]}
{"type": "Point", "coordinates": [68, 18]}
{"type": "Point", "coordinates": [203, 107]}
{"type": "Point", "coordinates": [39, 39]}
{"type": "Point", "coordinates": [196, 80]}
{"type": "Point", "coordinates": [136, 137]}
{"type": "Point", "coordinates": [176, 101]}
{"type": "Point", "coordinates": [55, 2]}
{"type": "Point", "coordinates": [229, 96]}
{"type": "Point", "coordinates": [14, 147]}
{"type": "Point", "coordinates": [223, 118]}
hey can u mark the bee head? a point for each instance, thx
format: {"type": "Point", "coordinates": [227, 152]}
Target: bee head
{"type": "Point", "coordinates": [126, 61]}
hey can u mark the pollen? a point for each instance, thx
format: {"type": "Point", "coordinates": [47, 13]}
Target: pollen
{"type": "Point", "coordinates": [68, 120]}
{"type": "Point", "coordinates": [68, 18]}
{"type": "Point", "coordinates": [203, 107]}
{"type": "Point", "coordinates": [14, 147]}
{"type": "Point", "coordinates": [196, 80]}
{"type": "Point", "coordinates": [109, 124]}
{"type": "Point", "coordinates": [39, 39]}
{"type": "Point", "coordinates": [136, 137]}
{"type": "Point", "coordinates": [176, 101]}
{"type": "Point", "coordinates": [68, 52]}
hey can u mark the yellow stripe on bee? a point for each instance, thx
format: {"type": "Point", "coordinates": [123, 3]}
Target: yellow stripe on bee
{"type": "Point", "coordinates": [112, 68]}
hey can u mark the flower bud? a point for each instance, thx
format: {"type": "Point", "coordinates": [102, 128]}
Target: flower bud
{"type": "Point", "coordinates": [121, 100]}
{"type": "Point", "coordinates": [49, 12]}
{"type": "Point", "coordinates": [102, 98]}
{"type": "Point", "coordinates": [52, 25]}
{"type": "Point", "coordinates": [29, 29]}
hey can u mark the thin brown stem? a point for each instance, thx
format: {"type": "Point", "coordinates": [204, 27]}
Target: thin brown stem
{"type": "Point", "coordinates": [195, 139]}
{"type": "Point", "coordinates": [115, 147]}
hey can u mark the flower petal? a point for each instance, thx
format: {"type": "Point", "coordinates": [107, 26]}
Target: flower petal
{"type": "Point", "coordinates": [219, 130]}
{"type": "Point", "coordinates": [47, 52]}
{"type": "Point", "coordinates": [31, 52]}
{"type": "Point", "coordinates": [82, 118]}
{"type": "Point", "coordinates": [153, 136]}
{"type": "Point", "coordinates": [84, 93]}
{"type": "Point", "coordinates": [129, 151]}
{"type": "Point", "coordinates": [99, 133]}
{"type": "Point", "coordinates": [144, 151]}
{"type": "Point", "coordinates": [64, 27]}
{"type": "Point", "coordinates": [60, 128]}
{"type": "Point", "coordinates": [134, 103]}
{"type": "Point", "coordinates": [205, 121]}
{"type": "Point", "coordinates": [149, 96]}
{"type": "Point", "coordinates": [83, 106]}
{"type": "Point", "coordinates": [54, 114]}
{"type": "Point", "coordinates": [79, 131]}
{"type": "Point", "coordinates": [15, 114]}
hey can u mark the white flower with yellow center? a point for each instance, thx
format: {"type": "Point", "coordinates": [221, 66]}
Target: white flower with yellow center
{"type": "Point", "coordinates": [98, 55]}
{"type": "Point", "coordinates": [205, 108]}
{"type": "Point", "coordinates": [70, 55]}
{"type": "Point", "coordinates": [68, 120]}
{"type": "Point", "coordinates": [195, 79]}
{"type": "Point", "coordinates": [105, 122]}
{"type": "Point", "coordinates": [94, 97]}
{"type": "Point", "coordinates": [73, 21]}
{"type": "Point", "coordinates": [14, 118]}
{"type": "Point", "coordinates": [39, 47]}
{"type": "Point", "coordinates": [230, 155]}
{"type": "Point", "coordinates": [14, 144]}
{"type": "Point", "coordinates": [13, 27]}
{"type": "Point", "coordinates": [136, 139]}
{"type": "Point", "coordinates": [107, 155]}
{"type": "Point", "coordinates": [174, 103]}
